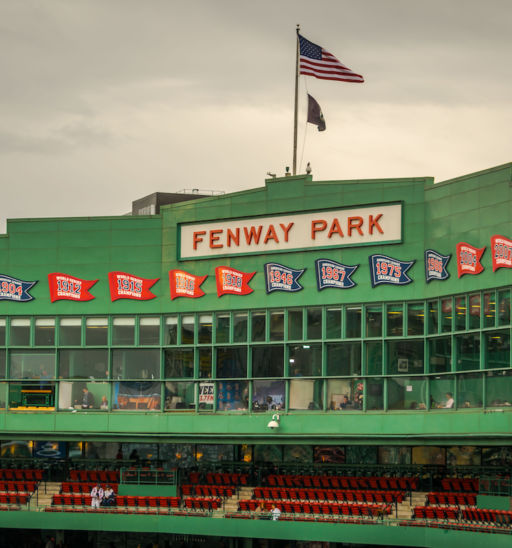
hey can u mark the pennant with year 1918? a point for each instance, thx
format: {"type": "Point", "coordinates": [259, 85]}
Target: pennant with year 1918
{"type": "Point", "coordinates": [435, 266]}
{"type": "Point", "coordinates": [282, 278]}
{"type": "Point", "coordinates": [332, 274]}
{"type": "Point", "coordinates": [12, 289]}
{"type": "Point", "coordinates": [232, 282]}
{"type": "Point", "coordinates": [386, 270]}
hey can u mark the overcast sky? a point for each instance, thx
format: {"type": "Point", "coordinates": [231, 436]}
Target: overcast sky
{"type": "Point", "coordinates": [105, 101]}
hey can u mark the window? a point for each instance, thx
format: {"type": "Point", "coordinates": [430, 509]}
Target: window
{"type": "Point", "coordinates": [468, 351]}
{"type": "Point", "coordinates": [137, 396]}
{"type": "Point", "coordinates": [305, 360]}
{"type": "Point", "coordinates": [268, 361]}
{"type": "Point", "coordinates": [258, 326]}
{"type": "Point", "coordinates": [32, 364]}
{"type": "Point", "coordinates": [96, 331]}
{"type": "Point", "coordinates": [2, 331]}
{"type": "Point", "coordinates": [179, 363]}
{"type": "Point", "coordinates": [374, 358]}
{"type": "Point", "coordinates": [136, 364]}
{"type": "Point", "coordinates": [395, 318]}
{"type": "Point", "coordinates": [440, 351]}
{"type": "Point", "coordinates": [240, 327]}
{"type": "Point", "coordinates": [333, 323]}
{"type": "Point", "coordinates": [233, 396]}
{"type": "Point", "coordinates": [204, 334]}
{"type": "Point", "coordinates": [498, 388]}
{"type": "Point", "coordinates": [70, 331]}
{"type": "Point", "coordinates": [405, 357]}
{"type": "Point", "coordinates": [205, 363]}
{"type": "Point", "coordinates": [489, 309]}
{"type": "Point", "coordinates": [407, 393]}
{"type": "Point", "coordinates": [415, 319]}
{"type": "Point", "coordinates": [314, 325]}
{"type": "Point", "coordinates": [474, 311]}
{"type": "Point", "coordinates": [268, 395]}
{"type": "Point", "coordinates": [343, 359]}
{"type": "Point", "coordinates": [446, 315]}
{"type": "Point", "coordinates": [353, 322]}
{"type": "Point", "coordinates": [171, 330]}
{"type": "Point", "coordinates": [469, 390]}
{"type": "Point", "coordinates": [149, 331]}
{"type": "Point", "coordinates": [504, 307]}
{"type": "Point", "coordinates": [123, 331]}
{"type": "Point", "coordinates": [460, 313]}
{"type": "Point", "coordinates": [20, 332]}
{"type": "Point", "coordinates": [433, 320]}
{"type": "Point", "coordinates": [306, 394]}
{"type": "Point", "coordinates": [84, 395]}
{"type": "Point", "coordinates": [497, 349]}
{"type": "Point", "coordinates": [441, 392]}
{"type": "Point", "coordinates": [222, 327]}
{"type": "Point", "coordinates": [231, 362]}
{"type": "Point", "coordinates": [276, 325]}
{"type": "Point", "coordinates": [374, 321]}
{"type": "Point", "coordinates": [83, 364]}
{"type": "Point", "coordinates": [44, 332]}
{"type": "Point", "coordinates": [179, 396]}
{"type": "Point", "coordinates": [187, 329]}
{"type": "Point", "coordinates": [295, 325]}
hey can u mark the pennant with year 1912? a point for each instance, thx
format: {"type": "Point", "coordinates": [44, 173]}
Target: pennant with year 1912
{"type": "Point", "coordinates": [282, 278]}
{"type": "Point", "coordinates": [12, 289]}
{"type": "Point", "coordinates": [332, 274]}
{"type": "Point", "coordinates": [435, 266]}
{"type": "Point", "coordinates": [386, 270]}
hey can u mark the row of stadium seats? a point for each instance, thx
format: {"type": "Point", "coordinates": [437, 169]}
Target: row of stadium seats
{"type": "Point", "coordinates": [343, 482]}
{"type": "Point", "coordinates": [83, 487]}
{"type": "Point", "coordinates": [458, 484]}
{"type": "Point", "coordinates": [502, 517]}
{"type": "Point", "coordinates": [18, 486]}
{"type": "Point", "coordinates": [452, 499]}
{"type": "Point", "coordinates": [121, 500]}
{"type": "Point", "coordinates": [208, 490]}
{"type": "Point", "coordinates": [14, 498]}
{"type": "Point", "coordinates": [202, 503]}
{"type": "Point", "coordinates": [22, 474]}
{"type": "Point", "coordinates": [219, 478]}
{"type": "Point", "coordinates": [329, 494]}
{"type": "Point", "coordinates": [101, 476]}
{"type": "Point", "coordinates": [436, 512]}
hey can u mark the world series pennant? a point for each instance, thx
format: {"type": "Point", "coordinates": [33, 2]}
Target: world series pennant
{"type": "Point", "coordinates": [501, 252]}
{"type": "Point", "coordinates": [183, 284]}
{"type": "Point", "coordinates": [69, 288]}
{"type": "Point", "coordinates": [282, 278]}
{"type": "Point", "coordinates": [386, 270]}
{"type": "Point", "coordinates": [468, 259]}
{"type": "Point", "coordinates": [126, 286]}
{"type": "Point", "coordinates": [232, 282]}
{"type": "Point", "coordinates": [332, 274]}
{"type": "Point", "coordinates": [435, 265]}
{"type": "Point", "coordinates": [12, 289]}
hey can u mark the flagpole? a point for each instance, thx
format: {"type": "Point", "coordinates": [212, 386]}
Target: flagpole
{"type": "Point", "coordinates": [296, 110]}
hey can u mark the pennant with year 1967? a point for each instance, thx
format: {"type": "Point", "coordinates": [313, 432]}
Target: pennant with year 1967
{"type": "Point", "coordinates": [332, 274]}
{"type": "Point", "coordinates": [386, 270]}
{"type": "Point", "coordinates": [282, 278]}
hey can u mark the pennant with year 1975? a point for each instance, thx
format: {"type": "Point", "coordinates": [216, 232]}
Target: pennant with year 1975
{"type": "Point", "coordinates": [332, 274]}
{"type": "Point", "coordinates": [386, 270]}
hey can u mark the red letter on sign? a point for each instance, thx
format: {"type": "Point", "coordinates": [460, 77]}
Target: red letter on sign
{"type": "Point", "coordinates": [197, 237]}
{"type": "Point", "coordinates": [317, 226]}
{"type": "Point", "coordinates": [355, 223]}
{"type": "Point", "coordinates": [375, 223]}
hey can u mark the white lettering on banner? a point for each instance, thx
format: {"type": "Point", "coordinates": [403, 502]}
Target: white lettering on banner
{"type": "Point", "coordinates": [375, 224]}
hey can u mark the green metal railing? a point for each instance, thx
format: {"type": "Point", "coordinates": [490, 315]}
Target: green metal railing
{"type": "Point", "coordinates": [147, 476]}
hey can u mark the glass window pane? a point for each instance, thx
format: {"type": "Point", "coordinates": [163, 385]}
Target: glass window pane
{"type": "Point", "coordinates": [84, 395]}
{"type": "Point", "coordinates": [433, 322]}
{"type": "Point", "coordinates": [137, 396]}
{"type": "Point", "coordinates": [353, 322]}
{"type": "Point", "coordinates": [344, 394]}
{"type": "Point", "coordinates": [489, 309]}
{"type": "Point", "coordinates": [395, 318]}
{"type": "Point", "coordinates": [497, 349]}
{"type": "Point", "coordinates": [374, 358]}
{"type": "Point", "coordinates": [81, 363]}
{"type": "Point", "coordinates": [405, 357]}
{"type": "Point", "coordinates": [233, 396]}
{"type": "Point", "coordinates": [374, 394]}
{"type": "Point", "coordinates": [314, 323]}
{"type": "Point", "coordinates": [136, 364]}
{"type": "Point", "coordinates": [295, 325]}
{"type": "Point", "coordinates": [305, 360]}
{"type": "Point", "coordinates": [441, 392]}
{"type": "Point", "coordinates": [179, 396]}
{"type": "Point", "coordinates": [204, 334]}
{"type": "Point", "coordinates": [205, 363]}
{"type": "Point", "coordinates": [34, 395]}
{"type": "Point", "coordinates": [498, 388]}
{"type": "Point", "coordinates": [268, 395]}
{"type": "Point", "coordinates": [231, 362]}
{"type": "Point", "coordinates": [32, 364]}
{"type": "Point", "coordinates": [374, 321]}
{"type": "Point", "coordinates": [474, 312]}
{"type": "Point", "coordinates": [333, 323]}
{"type": "Point", "coordinates": [149, 331]}
{"type": "Point", "coordinates": [222, 327]}
{"type": "Point", "coordinates": [187, 329]}
{"type": "Point", "coordinates": [407, 393]}
{"type": "Point", "coordinates": [20, 332]}
{"type": "Point", "coordinates": [123, 331]}
{"type": "Point", "coordinates": [96, 331]}
{"type": "Point", "coordinates": [2, 363]}
{"type": "Point", "coordinates": [3, 395]}
{"type": "Point", "coordinates": [179, 363]}
{"type": "Point", "coordinates": [240, 327]}
{"type": "Point", "coordinates": [343, 359]}
{"type": "Point", "coordinates": [171, 330]}
{"type": "Point", "coordinates": [468, 351]}
{"type": "Point", "coordinates": [440, 350]}
{"type": "Point", "coordinates": [306, 394]}
{"type": "Point", "coordinates": [268, 361]}
{"type": "Point", "coordinates": [503, 307]}
{"type": "Point", "coordinates": [2, 331]}
{"type": "Point", "coordinates": [70, 331]}
{"type": "Point", "coordinates": [469, 390]}
{"type": "Point", "coordinates": [258, 326]}
{"type": "Point", "coordinates": [460, 313]}
{"type": "Point", "coordinates": [44, 332]}
{"type": "Point", "coordinates": [446, 315]}
{"type": "Point", "coordinates": [415, 319]}
{"type": "Point", "coordinates": [276, 325]}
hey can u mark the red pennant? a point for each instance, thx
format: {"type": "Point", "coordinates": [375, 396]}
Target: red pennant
{"type": "Point", "coordinates": [501, 252]}
{"type": "Point", "coordinates": [183, 284]}
{"type": "Point", "coordinates": [126, 286]}
{"type": "Point", "coordinates": [232, 282]}
{"type": "Point", "coordinates": [468, 259]}
{"type": "Point", "coordinates": [69, 288]}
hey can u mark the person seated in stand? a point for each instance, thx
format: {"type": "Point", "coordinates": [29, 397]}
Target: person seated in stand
{"type": "Point", "coordinates": [275, 513]}
{"type": "Point", "coordinates": [109, 497]}
{"type": "Point", "coordinates": [87, 399]}
{"type": "Point", "coordinates": [449, 403]}
{"type": "Point", "coordinates": [346, 403]}
{"type": "Point", "coordinates": [104, 403]}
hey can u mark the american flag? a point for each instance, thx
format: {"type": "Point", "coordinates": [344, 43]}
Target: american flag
{"type": "Point", "coordinates": [318, 62]}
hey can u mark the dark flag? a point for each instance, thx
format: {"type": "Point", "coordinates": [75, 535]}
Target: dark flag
{"type": "Point", "coordinates": [315, 115]}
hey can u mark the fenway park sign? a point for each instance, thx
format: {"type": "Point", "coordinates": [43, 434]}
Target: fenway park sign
{"type": "Point", "coordinates": [376, 224]}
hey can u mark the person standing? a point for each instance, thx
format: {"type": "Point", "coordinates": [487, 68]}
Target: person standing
{"type": "Point", "coordinates": [97, 494]}
{"type": "Point", "coordinates": [87, 399]}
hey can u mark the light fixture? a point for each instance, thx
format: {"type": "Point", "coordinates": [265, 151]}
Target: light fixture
{"type": "Point", "coordinates": [274, 423]}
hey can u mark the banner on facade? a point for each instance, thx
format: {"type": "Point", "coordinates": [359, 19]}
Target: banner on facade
{"type": "Point", "coordinates": [184, 284]}
{"type": "Point", "coordinates": [435, 265]}
{"type": "Point", "coordinates": [468, 259]}
{"type": "Point", "coordinates": [282, 278]}
{"type": "Point", "coordinates": [69, 288]}
{"type": "Point", "coordinates": [332, 274]}
{"type": "Point", "coordinates": [386, 270]}
{"type": "Point", "coordinates": [12, 289]}
{"type": "Point", "coordinates": [206, 392]}
{"type": "Point", "coordinates": [232, 282]}
{"type": "Point", "coordinates": [501, 252]}
{"type": "Point", "coordinates": [126, 286]}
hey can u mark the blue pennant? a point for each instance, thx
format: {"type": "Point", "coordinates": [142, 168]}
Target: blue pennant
{"type": "Point", "coordinates": [12, 289]}
{"type": "Point", "coordinates": [281, 278]}
{"type": "Point", "coordinates": [386, 270]}
{"type": "Point", "coordinates": [332, 274]}
{"type": "Point", "coordinates": [435, 265]}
